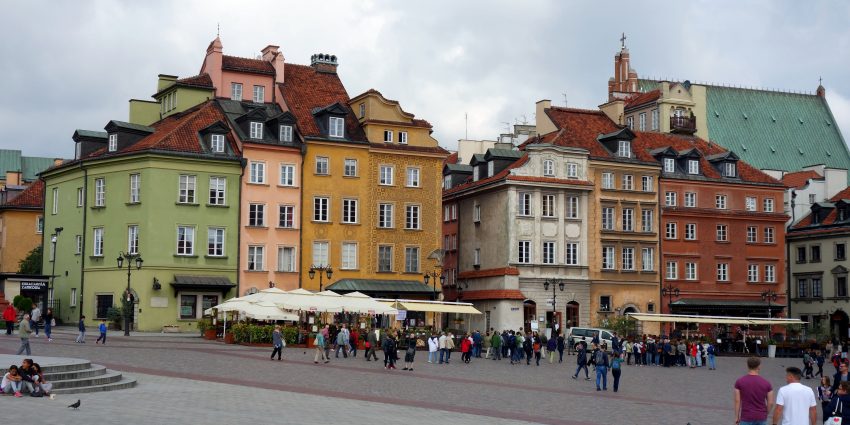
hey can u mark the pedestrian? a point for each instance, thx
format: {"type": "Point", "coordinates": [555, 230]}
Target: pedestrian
{"type": "Point", "coordinates": [559, 344]}
{"type": "Point", "coordinates": [320, 343]}
{"type": "Point", "coordinates": [600, 362]}
{"type": "Point", "coordinates": [820, 360]}
{"type": "Point", "coordinates": [476, 343]}
{"type": "Point", "coordinates": [487, 343]}
{"type": "Point", "coordinates": [390, 351]}
{"type": "Point", "coordinates": [450, 345]}
{"type": "Point", "coordinates": [537, 346]}
{"type": "Point", "coordinates": [327, 332]}
{"type": "Point", "coordinates": [616, 360]}
{"type": "Point", "coordinates": [10, 316]}
{"type": "Point", "coordinates": [35, 317]}
{"type": "Point", "coordinates": [465, 348]}
{"type": "Point", "coordinates": [753, 396]}
{"type": "Point", "coordinates": [433, 347]}
{"type": "Point", "coordinates": [81, 328]}
{"type": "Point", "coordinates": [825, 396]}
{"type": "Point", "coordinates": [372, 339]}
{"type": "Point", "coordinates": [628, 346]}
{"type": "Point", "coordinates": [551, 346]}
{"type": "Point", "coordinates": [528, 348]}
{"type": "Point", "coordinates": [277, 343]}
{"type": "Point", "coordinates": [795, 402]}
{"type": "Point", "coordinates": [354, 340]}
{"type": "Point", "coordinates": [836, 407]}
{"type": "Point", "coordinates": [410, 354]}
{"type": "Point", "coordinates": [24, 332]}
{"type": "Point", "coordinates": [441, 345]}
{"type": "Point", "coordinates": [342, 339]}
{"type": "Point", "coordinates": [581, 360]}
{"type": "Point", "coordinates": [496, 345]}
{"type": "Point", "coordinates": [49, 323]}
{"type": "Point", "coordinates": [842, 375]}
{"type": "Point", "coordinates": [102, 329]}
{"type": "Point", "coordinates": [710, 354]}
{"type": "Point", "coordinates": [807, 363]}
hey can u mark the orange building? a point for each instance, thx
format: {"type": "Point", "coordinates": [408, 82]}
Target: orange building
{"type": "Point", "coordinates": [21, 226]}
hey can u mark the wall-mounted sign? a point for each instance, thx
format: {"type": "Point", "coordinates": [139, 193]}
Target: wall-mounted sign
{"type": "Point", "coordinates": [30, 285]}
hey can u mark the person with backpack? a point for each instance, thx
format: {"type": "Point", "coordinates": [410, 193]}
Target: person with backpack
{"type": "Point", "coordinates": [560, 346]}
{"type": "Point", "coordinates": [600, 362]}
{"type": "Point", "coordinates": [581, 360]}
{"type": "Point", "coordinates": [528, 348]}
{"type": "Point", "coordinates": [536, 345]}
{"type": "Point", "coordinates": [616, 361]}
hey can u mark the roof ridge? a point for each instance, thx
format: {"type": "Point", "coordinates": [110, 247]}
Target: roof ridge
{"type": "Point", "coordinates": [579, 110]}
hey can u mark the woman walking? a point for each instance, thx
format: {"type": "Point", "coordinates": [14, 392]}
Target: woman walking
{"type": "Point", "coordinates": [560, 346]}
{"type": "Point", "coordinates": [616, 370]}
{"type": "Point", "coordinates": [551, 346]}
{"type": "Point", "coordinates": [536, 346]}
{"type": "Point", "coordinates": [277, 343]}
{"type": "Point", "coordinates": [49, 323]}
{"type": "Point", "coordinates": [410, 353]}
{"type": "Point", "coordinates": [320, 348]}
{"type": "Point", "coordinates": [391, 351]}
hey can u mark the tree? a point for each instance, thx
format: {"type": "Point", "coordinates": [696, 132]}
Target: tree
{"type": "Point", "coordinates": [623, 325]}
{"type": "Point", "coordinates": [31, 264]}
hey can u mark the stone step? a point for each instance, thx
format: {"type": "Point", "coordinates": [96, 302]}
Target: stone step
{"type": "Point", "coordinates": [66, 366]}
{"type": "Point", "coordinates": [124, 383]}
{"type": "Point", "coordinates": [95, 370]}
{"type": "Point", "coordinates": [107, 378]}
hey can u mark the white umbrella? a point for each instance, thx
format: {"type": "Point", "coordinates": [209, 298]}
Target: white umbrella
{"type": "Point", "coordinates": [267, 311]}
{"type": "Point", "coordinates": [358, 302]}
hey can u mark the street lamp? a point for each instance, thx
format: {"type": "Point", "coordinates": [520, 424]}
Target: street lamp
{"type": "Point", "coordinates": [670, 291]}
{"type": "Point", "coordinates": [53, 239]}
{"type": "Point", "coordinates": [434, 275]}
{"type": "Point", "coordinates": [560, 284]}
{"type": "Point", "coordinates": [320, 268]}
{"type": "Point", "coordinates": [128, 296]}
{"type": "Point", "coordinates": [769, 296]}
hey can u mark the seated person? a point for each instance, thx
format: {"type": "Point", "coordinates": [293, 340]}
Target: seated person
{"type": "Point", "coordinates": [25, 371]}
{"type": "Point", "coordinates": [40, 381]}
{"type": "Point", "coordinates": [12, 382]}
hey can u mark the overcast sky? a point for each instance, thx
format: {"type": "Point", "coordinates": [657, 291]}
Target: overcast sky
{"type": "Point", "coordinates": [68, 65]}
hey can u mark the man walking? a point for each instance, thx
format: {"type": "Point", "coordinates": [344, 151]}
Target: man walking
{"type": "Point", "coordinates": [450, 345]}
{"type": "Point", "coordinates": [320, 348]}
{"type": "Point", "coordinates": [433, 347]}
{"type": "Point", "coordinates": [372, 338]}
{"type": "Point", "coordinates": [81, 327]}
{"type": "Point", "coordinates": [35, 317]}
{"type": "Point", "coordinates": [753, 396]}
{"type": "Point", "coordinates": [581, 359]}
{"type": "Point", "coordinates": [441, 345]}
{"type": "Point", "coordinates": [600, 360]}
{"type": "Point", "coordinates": [24, 331]}
{"type": "Point", "coordinates": [342, 339]}
{"type": "Point", "coordinates": [496, 343]}
{"type": "Point", "coordinates": [795, 402]}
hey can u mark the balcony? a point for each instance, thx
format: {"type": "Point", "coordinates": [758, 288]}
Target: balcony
{"type": "Point", "coordinates": [683, 125]}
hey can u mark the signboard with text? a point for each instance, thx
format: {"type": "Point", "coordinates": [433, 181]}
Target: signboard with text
{"type": "Point", "coordinates": [33, 285]}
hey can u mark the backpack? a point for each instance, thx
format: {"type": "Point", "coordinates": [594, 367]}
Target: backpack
{"type": "Point", "coordinates": [615, 364]}
{"type": "Point", "coordinates": [598, 358]}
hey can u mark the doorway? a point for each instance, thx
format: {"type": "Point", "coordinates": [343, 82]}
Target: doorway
{"type": "Point", "coordinates": [838, 324]}
{"type": "Point", "coordinates": [572, 314]}
{"type": "Point", "coordinates": [529, 314]}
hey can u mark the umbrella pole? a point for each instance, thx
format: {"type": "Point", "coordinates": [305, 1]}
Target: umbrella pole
{"type": "Point", "coordinates": [224, 332]}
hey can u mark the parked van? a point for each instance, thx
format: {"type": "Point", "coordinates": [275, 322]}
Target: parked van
{"type": "Point", "coordinates": [578, 334]}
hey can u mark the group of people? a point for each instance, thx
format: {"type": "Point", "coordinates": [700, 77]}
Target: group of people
{"type": "Point", "coordinates": [794, 403]}
{"type": "Point", "coordinates": [345, 341]}
{"type": "Point", "coordinates": [35, 319]}
{"type": "Point", "coordinates": [28, 376]}
{"type": "Point", "coordinates": [648, 351]}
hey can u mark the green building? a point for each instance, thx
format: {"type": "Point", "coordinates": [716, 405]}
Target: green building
{"type": "Point", "coordinates": [169, 193]}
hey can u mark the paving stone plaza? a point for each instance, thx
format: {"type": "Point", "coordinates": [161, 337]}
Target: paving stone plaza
{"type": "Point", "coordinates": [184, 379]}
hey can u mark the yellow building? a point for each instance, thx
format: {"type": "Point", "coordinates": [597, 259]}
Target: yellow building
{"type": "Point", "coordinates": [21, 226]}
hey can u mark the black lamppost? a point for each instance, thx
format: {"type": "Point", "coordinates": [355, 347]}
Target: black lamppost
{"type": "Point", "coordinates": [320, 268]}
{"type": "Point", "coordinates": [53, 239]}
{"type": "Point", "coordinates": [670, 291]}
{"type": "Point", "coordinates": [128, 296]}
{"type": "Point", "coordinates": [560, 284]}
{"type": "Point", "coordinates": [434, 275]}
{"type": "Point", "coordinates": [459, 287]}
{"type": "Point", "coordinates": [769, 296]}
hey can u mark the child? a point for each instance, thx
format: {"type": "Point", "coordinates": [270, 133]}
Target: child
{"type": "Point", "coordinates": [81, 326]}
{"type": "Point", "coordinates": [12, 382]}
{"type": "Point", "coordinates": [102, 329]}
{"type": "Point", "coordinates": [465, 345]}
{"type": "Point", "coordinates": [38, 379]}
{"type": "Point", "coordinates": [824, 395]}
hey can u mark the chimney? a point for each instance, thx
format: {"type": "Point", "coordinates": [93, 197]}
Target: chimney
{"type": "Point", "coordinates": [165, 80]}
{"type": "Point", "coordinates": [13, 178]}
{"type": "Point", "coordinates": [272, 54]}
{"type": "Point", "coordinates": [212, 66]}
{"type": "Point", "coordinates": [322, 62]}
{"type": "Point", "coordinates": [544, 124]}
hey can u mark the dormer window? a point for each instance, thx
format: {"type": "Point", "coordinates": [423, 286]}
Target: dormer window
{"type": "Point", "coordinates": [217, 143]}
{"type": "Point", "coordinates": [730, 169]}
{"type": "Point", "coordinates": [259, 94]}
{"type": "Point", "coordinates": [335, 127]}
{"type": "Point", "coordinates": [491, 168]}
{"type": "Point", "coordinates": [624, 149]}
{"type": "Point", "coordinates": [693, 166]}
{"type": "Point", "coordinates": [78, 150]}
{"type": "Point", "coordinates": [669, 165]}
{"type": "Point", "coordinates": [256, 130]}
{"type": "Point", "coordinates": [447, 182]}
{"type": "Point", "coordinates": [475, 174]}
{"type": "Point", "coordinates": [548, 168]}
{"type": "Point", "coordinates": [113, 142]}
{"type": "Point", "coordinates": [388, 136]}
{"type": "Point", "coordinates": [285, 133]}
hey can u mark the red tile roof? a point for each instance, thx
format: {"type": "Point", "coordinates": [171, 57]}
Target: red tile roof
{"type": "Point", "coordinates": [256, 66]}
{"type": "Point", "coordinates": [201, 80]}
{"type": "Point", "coordinates": [799, 179]}
{"type": "Point", "coordinates": [31, 197]}
{"type": "Point", "coordinates": [305, 89]}
{"type": "Point", "coordinates": [451, 159]}
{"type": "Point", "coordinates": [844, 194]}
{"type": "Point", "coordinates": [493, 294]}
{"type": "Point", "coordinates": [642, 98]}
{"type": "Point", "coordinates": [503, 271]}
{"type": "Point", "coordinates": [496, 177]}
{"type": "Point", "coordinates": [829, 219]}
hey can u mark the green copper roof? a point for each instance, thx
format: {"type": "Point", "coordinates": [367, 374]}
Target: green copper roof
{"type": "Point", "coordinates": [30, 166]}
{"type": "Point", "coordinates": [775, 130]}
{"type": "Point", "coordinates": [10, 160]}
{"type": "Point", "coordinates": [645, 85]}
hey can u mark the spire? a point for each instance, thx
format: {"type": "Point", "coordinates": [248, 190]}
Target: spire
{"type": "Point", "coordinates": [820, 91]}
{"type": "Point", "coordinates": [623, 42]}
{"type": "Point", "coordinates": [217, 30]}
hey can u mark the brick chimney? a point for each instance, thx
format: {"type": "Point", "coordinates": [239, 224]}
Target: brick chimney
{"type": "Point", "coordinates": [323, 62]}
{"type": "Point", "coordinates": [212, 66]}
{"type": "Point", "coordinates": [272, 54]}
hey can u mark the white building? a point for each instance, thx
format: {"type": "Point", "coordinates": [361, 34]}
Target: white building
{"type": "Point", "coordinates": [813, 184]}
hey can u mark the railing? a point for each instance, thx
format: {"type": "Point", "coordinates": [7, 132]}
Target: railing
{"type": "Point", "coordinates": [55, 305]}
{"type": "Point", "coordinates": [683, 125]}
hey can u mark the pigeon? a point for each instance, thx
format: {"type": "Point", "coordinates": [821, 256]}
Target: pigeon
{"type": "Point", "coordinates": [75, 405]}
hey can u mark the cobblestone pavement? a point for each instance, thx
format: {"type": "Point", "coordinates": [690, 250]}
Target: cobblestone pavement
{"type": "Point", "coordinates": [189, 380]}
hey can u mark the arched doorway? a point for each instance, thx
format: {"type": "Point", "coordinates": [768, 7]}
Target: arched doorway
{"type": "Point", "coordinates": [572, 314]}
{"type": "Point", "coordinates": [529, 314]}
{"type": "Point", "coordinates": [838, 324]}
{"type": "Point", "coordinates": [638, 325]}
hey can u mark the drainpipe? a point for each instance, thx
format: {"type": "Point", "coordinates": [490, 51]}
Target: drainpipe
{"type": "Point", "coordinates": [301, 212]}
{"type": "Point", "coordinates": [788, 256]}
{"type": "Point", "coordinates": [81, 298]}
{"type": "Point", "coordinates": [242, 162]}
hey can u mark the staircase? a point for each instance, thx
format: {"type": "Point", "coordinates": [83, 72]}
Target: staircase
{"type": "Point", "coordinates": [72, 376]}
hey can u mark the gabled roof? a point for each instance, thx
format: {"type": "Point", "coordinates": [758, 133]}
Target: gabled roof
{"type": "Point", "coordinates": [642, 98]}
{"type": "Point", "coordinates": [200, 81]}
{"type": "Point", "coordinates": [31, 198]}
{"type": "Point", "coordinates": [254, 66]}
{"type": "Point", "coordinates": [134, 128]}
{"type": "Point", "coordinates": [451, 159]}
{"type": "Point", "coordinates": [457, 168]}
{"type": "Point", "coordinates": [91, 134]}
{"type": "Point", "coordinates": [800, 179]}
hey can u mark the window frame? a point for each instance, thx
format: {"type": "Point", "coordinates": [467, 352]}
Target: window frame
{"type": "Point", "coordinates": [386, 214]}
{"type": "Point", "coordinates": [255, 130]}
{"type": "Point", "coordinates": [386, 175]}
{"type": "Point", "coordinates": [336, 127]}
{"type": "Point", "coordinates": [217, 191]}
{"type": "Point", "coordinates": [187, 191]}
{"type": "Point", "coordinates": [135, 181]}
{"type": "Point", "coordinates": [292, 267]}
{"type": "Point", "coordinates": [236, 91]}
{"type": "Point", "coordinates": [412, 180]}
{"type": "Point", "coordinates": [99, 192]}
{"type": "Point", "coordinates": [254, 253]}
{"type": "Point", "coordinates": [187, 248]}
{"type": "Point", "coordinates": [322, 161]}
{"type": "Point", "coordinates": [217, 143]}
{"type": "Point", "coordinates": [258, 93]}
{"type": "Point", "coordinates": [321, 209]}
{"type": "Point", "coordinates": [285, 133]}
{"type": "Point", "coordinates": [348, 260]}
{"type": "Point", "coordinates": [524, 252]}
{"type": "Point", "coordinates": [286, 216]}
{"type": "Point", "coordinates": [350, 215]}
{"type": "Point", "coordinates": [412, 217]}
{"type": "Point", "coordinates": [215, 245]}
{"type": "Point", "coordinates": [256, 214]}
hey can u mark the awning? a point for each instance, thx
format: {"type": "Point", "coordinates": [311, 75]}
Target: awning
{"type": "Point", "coordinates": [202, 283]}
{"type": "Point", "coordinates": [262, 310]}
{"type": "Point", "coordinates": [367, 286]}
{"type": "Point", "coordinates": [432, 306]}
{"type": "Point", "coordinates": [715, 304]}
{"type": "Point", "coordinates": [686, 318]}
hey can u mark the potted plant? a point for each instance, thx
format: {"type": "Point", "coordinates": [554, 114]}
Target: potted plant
{"type": "Point", "coordinates": [207, 329]}
{"type": "Point", "coordinates": [115, 315]}
{"type": "Point", "coordinates": [771, 347]}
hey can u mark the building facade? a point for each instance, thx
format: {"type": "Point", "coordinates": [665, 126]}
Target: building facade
{"type": "Point", "coordinates": [21, 227]}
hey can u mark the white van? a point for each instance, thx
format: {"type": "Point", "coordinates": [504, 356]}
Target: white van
{"type": "Point", "coordinates": [579, 334]}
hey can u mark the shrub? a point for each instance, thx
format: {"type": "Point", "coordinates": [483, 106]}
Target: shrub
{"type": "Point", "coordinates": [251, 333]}
{"type": "Point", "coordinates": [115, 315]}
{"type": "Point", "coordinates": [22, 304]}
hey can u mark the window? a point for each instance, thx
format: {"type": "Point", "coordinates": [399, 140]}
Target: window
{"type": "Point", "coordinates": [362, 110]}
{"type": "Point", "coordinates": [236, 91]}
{"type": "Point", "coordinates": [608, 258]}
{"type": "Point", "coordinates": [218, 187]}
{"type": "Point", "coordinates": [670, 199]}
{"type": "Point", "coordinates": [646, 220]}
{"type": "Point", "coordinates": [97, 247]}
{"type": "Point", "coordinates": [256, 215]}
{"type": "Point", "coordinates": [841, 286]}
{"type": "Point", "coordinates": [572, 207]}
{"type": "Point", "coordinates": [103, 304]}
{"type": "Point", "coordinates": [767, 205]}
{"type": "Point", "coordinates": [258, 172]}
{"type": "Point", "coordinates": [256, 130]}
{"type": "Point", "coordinates": [628, 219]}
{"type": "Point", "coordinates": [285, 133]}
{"type": "Point", "coordinates": [78, 244]}
{"type": "Point", "coordinates": [720, 202]}
{"type": "Point", "coordinates": [255, 258]}
{"type": "Point", "coordinates": [446, 214]}
{"type": "Point", "coordinates": [259, 94]}
{"type": "Point", "coordinates": [817, 288]}
{"type": "Point", "coordinates": [55, 207]}
{"type": "Point", "coordinates": [388, 136]}
{"type": "Point", "coordinates": [454, 211]}
{"type": "Point", "coordinates": [571, 258]}
{"type": "Point", "coordinates": [803, 288]}
{"type": "Point", "coordinates": [335, 129]}
{"type": "Point", "coordinates": [113, 142]}
{"type": "Point", "coordinates": [412, 177]}
{"type": "Point", "coordinates": [215, 242]}
{"type": "Point", "coordinates": [646, 184]}
{"type": "Point", "coordinates": [815, 254]}
{"type": "Point", "coordinates": [73, 298]}
{"type": "Point", "coordinates": [647, 259]}
{"type": "Point", "coordinates": [476, 257]}
{"type": "Point", "coordinates": [185, 240]}
{"type": "Point", "coordinates": [524, 253]}
{"type": "Point", "coordinates": [811, 198]}
{"type": "Point", "coordinates": [385, 216]}
{"type": "Point", "coordinates": [186, 189]}
{"type": "Point", "coordinates": [690, 199]}
{"type": "Point", "coordinates": [402, 137]}
{"type": "Point", "coordinates": [722, 272]}
{"type": "Point", "coordinates": [548, 168]}
{"type": "Point", "coordinates": [135, 183]}
{"type": "Point", "coordinates": [524, 204]}
{"type": "Point", "coordinates": [672, 270]}
{"type": "Point", "coordinates": [349, 211]}
{"type": "Point", "coordinates": [349, 256]}
{"type": "Point", "coordinates": [320, 208]}
{"type": "Point", "coordinates": [322, 166]}
{"type": "Point", "coordinates": [286, 259]}
{"type": "Point", "coordinates": [320, 254]}
{"type": "Point", "coordinates": [670, 230]}
{"type": "Point", "coordinates": [605, 303]}
{"type": "Point", "coordinates": [690, 231]}
{"type": "Point", "coordinates": [628, 182]}
{"type": "Point", "coordinates": [693, 166]}
{"type": "Point", "coordinates": [624, 149]}
{"type": "Point", "coordinates": [385, 258]}
{"type": "Point", "coordinates": [99, 192]}
{"type": "Point", "coordinates": [548, 252]}
{"type": "Point", "coordinates": [840, 251]}
{"type": "Point", "coordinates": [752, 273]}
{"type": "Point", "coordinates": [729, 169]}
{"type": "Point", "coordinates": [548, 205]}
{"type": "Point", "coordinates": [607, 218]}
{"type": "Point", "coordinates": [642, 121]}
{"type": "Point", "coordinates": [751, 234]}
{"type": "Point", "coordinates": [80, 198]}
{"type": "Point", "coordinates": [133, 239]}
{"type": "Point", "coordinates": [286, 216]}
{"type": "Point", "coordinates": [655, 119]}
{"type": "Point", "coordinates": [411, 259]}
{"type": "Point", "coordinates": [572, 170]}
{"type": "Point", "coordinates": [607, 180]}
{"type": "Point", "coordinates": [491, 168]}
{"type": "Point", "coordinates": [411, 217]}
{"type": "Point", "coordinates": [770, 273]}
{"type": "Point", "coordinates": [628, 258]}
{"type": "Point", "coordinates": [669, 165]}
{"type": "Point", "coordinates": [721, 233]}
{"type": "Point", "coordinates": [475, 174]}
{"type": "Point", "coordinates": [386, 175]}
{"type": "Point", "coordinates": [630, 122]}
{"type": "Point", "coordinates": [349, 168]}
{"type": "Point", "coordinates": [750, 203]}
{"type": "Point", "coordinates": [476, 213]}
{"type": "Point", "coordinates": [217, 143]}
{"type": "Point", "coordinates": [801, 254]}
{"type": "Point", "coordinates": [690, 271]}
{"type": "Point", "coordinates": [287, 175]}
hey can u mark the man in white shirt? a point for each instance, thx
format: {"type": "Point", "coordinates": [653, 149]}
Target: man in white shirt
{"type": "Point", "coordinates": [795, 402]}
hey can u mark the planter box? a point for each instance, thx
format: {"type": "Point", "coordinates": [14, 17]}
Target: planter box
{"type": "Point", "coordinates": [228, 338]}
{"type": "Point", "coordinates": [209, 334]}
{"type": "Point", "coordinates": [170, 329]}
